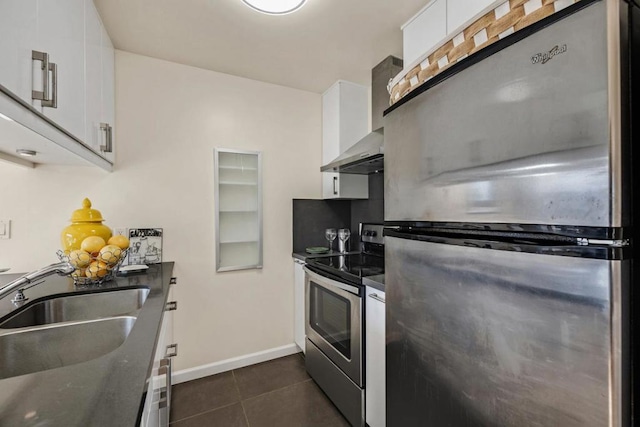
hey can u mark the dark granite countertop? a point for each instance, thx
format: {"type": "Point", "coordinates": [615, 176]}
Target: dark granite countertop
{"type": "Point", "coordinates": [301, 255]}
{"type": "Point", "coordinates": [106, 391]}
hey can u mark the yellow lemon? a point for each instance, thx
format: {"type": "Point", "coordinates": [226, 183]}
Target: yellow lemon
{"type": "Point", "coordinates": [79, 258]}
{"type": "Point", "coordinates": [110, 254]}
{"type": "Point", "coordinates": [92, 244]}
{"type": "Point", "coordinates": [80, 272]}
{"type": "Point", "coordinates": [120, 241]}
{"type": "Point", "coordinates": [97, 270]}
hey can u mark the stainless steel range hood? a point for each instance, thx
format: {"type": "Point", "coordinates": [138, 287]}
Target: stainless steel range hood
{"type": "Point", "coordinates": [364, 158]}
{"type": "Point", "coordinates": [367, 155]}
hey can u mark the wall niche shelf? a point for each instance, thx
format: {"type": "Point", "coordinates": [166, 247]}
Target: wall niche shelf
{"type": "Point", "coordinates": [238, 202]}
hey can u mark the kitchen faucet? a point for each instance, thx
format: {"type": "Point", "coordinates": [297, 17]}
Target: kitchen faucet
{"type": "Point", "coordinates": [62, 268]}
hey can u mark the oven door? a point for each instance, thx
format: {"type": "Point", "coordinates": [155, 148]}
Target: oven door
{"type": "Point", "coordinates": [334, 322]}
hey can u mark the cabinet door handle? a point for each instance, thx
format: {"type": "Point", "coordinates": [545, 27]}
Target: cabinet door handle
{"type": "Point", "coordinates": [377, 298]}
{"type": "Point", "coordinates": [108, 138]}
{"type": "Point", "coordinates": [46, 67]}
{"type": "Point", "coordinates": [171, 305]}
{"type": "Point", "coordinates": [168, 353]}
{"type": "Point", "coordinates": [335, 186]}
{"type": "Point", "coordinates": [53, 102]}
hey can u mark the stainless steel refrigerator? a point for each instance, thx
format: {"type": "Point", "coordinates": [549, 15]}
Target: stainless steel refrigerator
{"type": "Point", "coordinates": [509, 204]}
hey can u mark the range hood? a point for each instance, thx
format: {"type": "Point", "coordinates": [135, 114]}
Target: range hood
{"type": "Point", "coordinates": [367, 155]}
{"type": "Point", "coordinates": [364, 158]}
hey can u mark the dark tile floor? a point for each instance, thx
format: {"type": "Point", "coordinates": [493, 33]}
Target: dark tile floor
{"type": "Point", "coordinates": [278, 393]}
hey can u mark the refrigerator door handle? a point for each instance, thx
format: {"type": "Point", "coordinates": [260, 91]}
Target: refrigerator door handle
{"type": "Point", "coordinates": [601, 242]}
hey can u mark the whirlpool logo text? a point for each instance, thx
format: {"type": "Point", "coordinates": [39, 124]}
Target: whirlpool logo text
{"type": "Point", "coordinates": [543, 58]}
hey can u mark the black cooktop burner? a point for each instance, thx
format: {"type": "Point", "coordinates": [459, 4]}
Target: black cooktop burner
{"type": "Point", "coordinates": [350, 267]}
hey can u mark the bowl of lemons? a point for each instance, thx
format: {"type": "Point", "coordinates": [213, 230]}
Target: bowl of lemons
{"type": "Point", "coordinates": [97, 260]}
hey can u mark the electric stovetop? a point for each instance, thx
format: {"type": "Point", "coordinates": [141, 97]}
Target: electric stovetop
{"type": "Point", "coordinates": [349, 267]}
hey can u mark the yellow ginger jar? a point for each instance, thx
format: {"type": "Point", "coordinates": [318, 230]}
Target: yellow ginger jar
{"type": "Point", "coordinates": [85, 222]}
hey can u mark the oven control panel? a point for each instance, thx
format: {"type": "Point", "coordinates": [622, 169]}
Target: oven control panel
{"type": "Point", "coordinates": [371, 233]}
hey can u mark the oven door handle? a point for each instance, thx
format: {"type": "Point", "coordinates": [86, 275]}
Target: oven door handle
{"type": "Point", "coordinates": [326, 281]}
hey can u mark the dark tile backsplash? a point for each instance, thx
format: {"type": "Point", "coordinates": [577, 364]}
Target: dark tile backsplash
{"type": "Point", "coordinates": [311, 217]}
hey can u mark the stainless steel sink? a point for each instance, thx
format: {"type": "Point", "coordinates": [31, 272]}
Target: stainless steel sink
{"type": "Point", "coordinates": [54, 346]}
{"type": "Point", "coordinates": [66, 308]}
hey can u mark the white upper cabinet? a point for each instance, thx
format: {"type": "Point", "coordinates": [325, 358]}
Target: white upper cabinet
{"type": "Point", "coordinates": [108, 88]}
{"type": "Point", "coordinates": [345, 120]}
{"type": "Point", "coordinates": [99, 53]}
{"type": "Point", "coordinates": [57, 57]}
{"type": "Point", "coordinates": [424, 31]}
{"type": "Point", "coordinates": [18, 31]}
{"type": "Point", "coordinates": [93, 93]}
{"type": "Point", "coordinates": [460, 12]}
{"type": "Point", "coordinates": [438, 21]}
{"type": "Point", "coordinates": [61, 35]}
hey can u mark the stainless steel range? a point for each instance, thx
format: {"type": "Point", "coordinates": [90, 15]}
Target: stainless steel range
{"type": "Point", "coordinates": [335, 321]}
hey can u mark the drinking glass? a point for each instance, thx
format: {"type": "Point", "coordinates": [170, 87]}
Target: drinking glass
{"type": "Point", "coordinates": [343, 236]}
{"type": "Point", "coordinates": [330, 234]}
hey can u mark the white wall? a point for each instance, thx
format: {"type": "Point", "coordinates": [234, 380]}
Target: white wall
{"type": "Point", "coordinates": [169, 119]}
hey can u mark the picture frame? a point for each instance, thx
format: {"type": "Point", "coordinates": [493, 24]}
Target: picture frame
{"type": "Point", "coordinates": [145, 246]}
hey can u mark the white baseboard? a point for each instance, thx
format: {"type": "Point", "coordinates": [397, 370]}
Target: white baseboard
{"type": "Point", "coordinates": [233, 363]}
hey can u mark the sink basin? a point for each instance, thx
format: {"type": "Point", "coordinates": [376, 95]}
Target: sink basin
{"type": "Point", "coordinates": [27, 351]}
{"type": "Point", "coordinates": [67, 308]}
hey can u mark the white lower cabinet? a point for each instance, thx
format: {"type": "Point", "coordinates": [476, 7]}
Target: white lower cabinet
{"type": "Point", "coordinates": [298, 298]}
{"type": "Point", "coordinates": [375, 389]}
{"type": "Point", "coordinates": [158, 399]}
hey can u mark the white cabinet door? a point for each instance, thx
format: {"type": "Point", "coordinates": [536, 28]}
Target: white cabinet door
{"type": "Point", "coordinates": [298, 304]}
{"type": "Point", "coordinates": [424, 31]}
{"type": "Point", "coordinates": [331, 124]}
{"type": "Point", "coordinates": [375, 357]}
{"type": "Point", "coordinates": [345, 120]}
{"type": "Point", "coordinates": [61, 35]}
{"type": "Point", "coordinates": [170, 316]}
{"type": "Point", "coordinates": [99, 95]}
{"type": "Point", "coordinates": [154, 412]}
{"type": "Point", "coordinates": [18, 30]}
{"type": "Point", "coordinates": [93, 74]}
{"type": "Point", "coordinates": [108, 89]}
{"type": "Point", "coordinates": [150, 413]}
{"type": "Point", "coordinates": [344, 186]}
{"type": "Point", "coordinates": [330, 185]}
{"type": "Point", "coordinates": [461, 11]}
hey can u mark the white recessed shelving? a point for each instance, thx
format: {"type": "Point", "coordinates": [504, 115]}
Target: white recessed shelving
{"type": "Point", "coordinates": [238, 199]}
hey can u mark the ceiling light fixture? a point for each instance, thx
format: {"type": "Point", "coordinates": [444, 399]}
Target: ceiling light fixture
{"type": "Point", "coordinates": [26, 153]}
{"type": "Point", "coordinates": [275, 7]}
